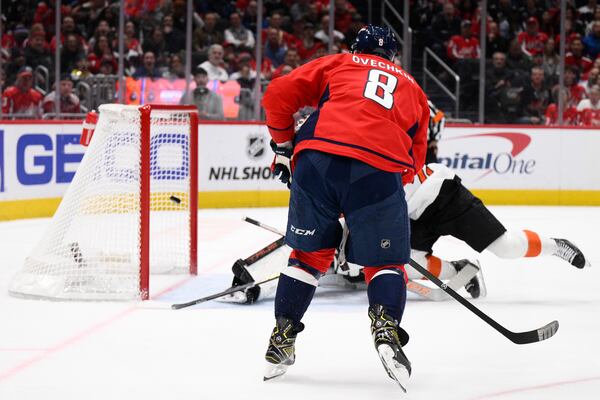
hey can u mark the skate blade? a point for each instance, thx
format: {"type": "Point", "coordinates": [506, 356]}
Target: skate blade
{"type": "Point", "coordinates": [273, 371]}
{"type": "Point", "coordinates": [395, 370]}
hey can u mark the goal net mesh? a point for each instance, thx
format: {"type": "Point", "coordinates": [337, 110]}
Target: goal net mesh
{"type": "Point", "coordinates": [91, 250]}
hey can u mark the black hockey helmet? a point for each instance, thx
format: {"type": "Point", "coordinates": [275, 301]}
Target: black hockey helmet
{"type": "Point", "coordinates": [377, 40]}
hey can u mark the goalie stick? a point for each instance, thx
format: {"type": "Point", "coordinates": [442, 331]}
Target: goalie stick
{"type": "Point", "coordinates": [225, 292]}
{"type": "Point", "coordinates": [536, 335]}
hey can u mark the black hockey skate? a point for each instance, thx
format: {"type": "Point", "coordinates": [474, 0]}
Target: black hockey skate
{"type": "Point", "coordinates": [281, 353]}
{"type": "Point", "coordinates": [389, 339]}
{"type": "Point", "coordinates": [476, 286]}
{"type": "Point", "coordinates": [570, 253]}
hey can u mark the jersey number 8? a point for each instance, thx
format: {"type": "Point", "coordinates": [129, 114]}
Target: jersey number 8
{"type": "Point", "coordinates": [380, 88]}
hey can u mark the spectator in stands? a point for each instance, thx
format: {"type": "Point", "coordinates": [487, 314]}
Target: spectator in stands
{"type": "Point", "coordinates": [463, 46]}
{"type": "Point", "coordinates": [309, 44]}
{"type": "Point", "coordinates": [176, 68]}
{"type": "Point", "coordinates": [495, 42]}
{"type": "Point", "coordinates": [103, 29]}
{"type": "Point", "coordinates": [101, 51]}
{"type": "Point", "coordinates": [237, 34]}
{"type": "Point", "coordinates": [592, 80]}
{"type": "Point", "coordinates": [576, 91]}
{"type": "Point", "coordinates": [299, 9]}
{"type": "Point", "coordinates": [90, 14]}
{"type": "Point", "coordinates": [518, 61]}
{"type": "Point", "coordinates": [510, 100]}
{"type": "Point", "coordinates": [290, 62]}
{"type": "Point", "coordinates": [274, 49]}
{"type": "Point", "coordinates": [69, 102]}
{"type": "Point", "coordinates": [246, 79]}
{"type": "Point", "coordinates": [37, 53]}
{"type": "Point", "coordinates": [213, 66]}
{"type": "Point", "coordinates": [569, 113]}
{"type": "Point", "coordinates": [532, 40]}
{"type": "Point", "coordinates": [155, 43]}
{"type": "Point", "coordinates": [551, 62]}
{"type": "Point", "coordinates": [107, 68]}
{"type": "Point", "coordinates": [68, 27]}
{"type": "Point", "coordinates": [275, 22]}
{"type": "Point", "coordinates": [323, 33]}
{"type": "Point", "coordinates": [208, 34]}
{"type": "Point", "coordinates": [576, 58]}
{"type": "Point", "coordinates": [148, 68]}
{"type": "Point", "coordinates": [592, 40]}
{"type": "Point", "coordinates": [71, 53]}
{"type": "Point", "coordinates": [536, 98]}
{"type": "Point", "coordinates": [209, 104]}
{"type": "Point", "coordinates": [21, 99]}
{"type": "Point", "coordinates": [173, 37]}
{"type": "Point", "coordinates": [463, 53]}
{"type": "Point", "coordinates": [548, 23]}
{"type": "Point", "coordinates": [131, 41]}
{"type": "Point", "coordinates": [589, 109]}
{"type": "Point", "coordinates": [445, 25]}
{"type": "Point", "coordinates": [250, 15]}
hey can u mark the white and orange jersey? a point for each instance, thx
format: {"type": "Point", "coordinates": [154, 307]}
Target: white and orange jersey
{"type": "Point", "coordinates": [425, 188]}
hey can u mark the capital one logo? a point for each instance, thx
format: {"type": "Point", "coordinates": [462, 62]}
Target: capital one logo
{"type": "Point", "coordinates": [493, 161]}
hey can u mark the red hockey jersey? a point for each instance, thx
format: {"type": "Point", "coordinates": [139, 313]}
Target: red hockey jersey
{"type": "Point", "coordinates": [368, 109]}
{"type": "Point", "coordinates": [14, 100]}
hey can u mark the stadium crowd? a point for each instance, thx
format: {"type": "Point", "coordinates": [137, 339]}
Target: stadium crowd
{"type": "Point", "coordinates": [522, 52]}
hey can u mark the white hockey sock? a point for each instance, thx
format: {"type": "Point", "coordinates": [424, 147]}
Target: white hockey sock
{"type": "Point", "coordinates": [439, 268]}
{"type": "Point", "coordinates": [517, 244]}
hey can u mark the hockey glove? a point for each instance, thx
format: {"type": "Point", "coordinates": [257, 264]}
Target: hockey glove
{"type": "Point", "coordinates": [281, 163]}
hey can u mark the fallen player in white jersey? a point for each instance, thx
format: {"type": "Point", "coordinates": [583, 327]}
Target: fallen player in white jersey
{"type": "Point", "coordinates": [438, 205]}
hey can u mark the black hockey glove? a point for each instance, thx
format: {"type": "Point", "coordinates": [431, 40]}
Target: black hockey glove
{"type": "Point", "coordinates": [281, 163]}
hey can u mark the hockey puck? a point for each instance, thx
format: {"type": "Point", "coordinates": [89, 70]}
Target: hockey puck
{"type": "Point", "coordinates": [175, 199]}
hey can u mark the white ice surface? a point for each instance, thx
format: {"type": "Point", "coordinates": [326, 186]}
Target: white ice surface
{"type": "Point", "coordinates": [111, 350]}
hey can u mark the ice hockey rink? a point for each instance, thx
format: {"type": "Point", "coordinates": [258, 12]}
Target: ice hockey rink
{"type": "Point", "coordinates": [143, 350]}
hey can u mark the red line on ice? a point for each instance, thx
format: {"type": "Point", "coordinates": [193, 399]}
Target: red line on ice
{"type": "Point", "coordinates": [537, 387]}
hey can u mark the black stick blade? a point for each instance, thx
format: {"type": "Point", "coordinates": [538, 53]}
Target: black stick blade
{"type": "Point", "coordinates": [543, 333]}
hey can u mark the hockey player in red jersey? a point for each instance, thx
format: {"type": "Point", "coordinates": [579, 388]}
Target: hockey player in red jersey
{"type": "Point", "coordinates": [367, 136]}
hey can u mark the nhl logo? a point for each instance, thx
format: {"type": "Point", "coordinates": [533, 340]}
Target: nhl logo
{"type": "Point", "coordinates": [256, 146]}
{"type": "Point", "coordinates": [386, 243]}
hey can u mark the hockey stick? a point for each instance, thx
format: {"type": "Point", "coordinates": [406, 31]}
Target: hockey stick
{"type": "Point", "coordinates": [536, 335]}
{"type": "Point", "coordinates": [225, 292]}
{"type": "Point", "coordinates": [264, 226]}
{"type": "Point", "coordinates": [414, 287]}
{"type": "Point", "coordinates": [260, 254]}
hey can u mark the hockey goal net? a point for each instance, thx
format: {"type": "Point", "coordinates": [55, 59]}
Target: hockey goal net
{"type": "Point", "coordinates": [130, 210]}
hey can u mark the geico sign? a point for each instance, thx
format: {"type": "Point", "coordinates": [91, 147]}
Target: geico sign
{"type": "Point", "coordinates": [499, 162]}
{"type": "Point", "coordinates": [40, 159]}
